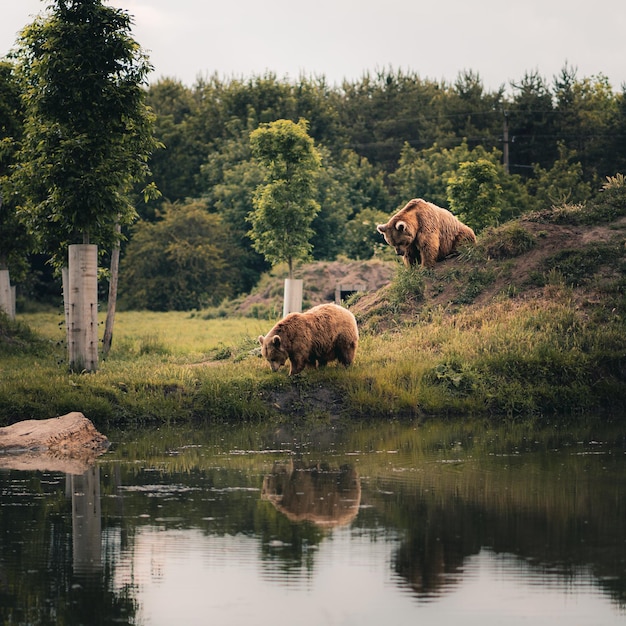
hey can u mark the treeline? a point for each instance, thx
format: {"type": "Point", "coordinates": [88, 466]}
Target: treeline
{"type": "Point", "coordinates": [384, 139]}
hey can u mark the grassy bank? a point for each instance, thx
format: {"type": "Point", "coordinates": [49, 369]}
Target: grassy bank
{"type": "Point", "coordinates": [528, 324]}
{"type": "Point", "coordinates": [514, 359]}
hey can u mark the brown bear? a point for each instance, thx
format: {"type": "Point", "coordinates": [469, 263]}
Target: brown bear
{"type": "Point", "coordinates": [424, 231]}
{"type": "Point", "coordinates": [322, 334]}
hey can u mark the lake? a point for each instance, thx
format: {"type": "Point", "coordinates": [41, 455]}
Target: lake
{"type": "Point", "coordinates": [351, 523]}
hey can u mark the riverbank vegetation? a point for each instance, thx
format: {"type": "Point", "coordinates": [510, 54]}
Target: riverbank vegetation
{"type": "Point", "coordinates": [528, 324]}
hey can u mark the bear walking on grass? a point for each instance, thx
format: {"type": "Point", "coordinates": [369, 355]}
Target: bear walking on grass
{"type": "Point", "coordinates": [326, 332]}
{"type": "Point", "coordinates": [424, 231]}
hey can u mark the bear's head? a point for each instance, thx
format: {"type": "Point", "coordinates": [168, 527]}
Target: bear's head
{"type": "Point", "coordinates": [399, 233]}
{"type": "Point", "coordinates": [272, 349]}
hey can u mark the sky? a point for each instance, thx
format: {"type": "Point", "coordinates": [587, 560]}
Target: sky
{"type": "Point", "coordinates": [500, 40]}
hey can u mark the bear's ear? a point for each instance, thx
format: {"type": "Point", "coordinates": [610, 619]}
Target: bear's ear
{"type": "Point", "coordinates": [401, 226]}
{"type": "Point", "coordinates": [276, 341]}
{"type": "Point", "coordinates": [381, 228]}
{"type": "Point", "coordinates": [261, 339]}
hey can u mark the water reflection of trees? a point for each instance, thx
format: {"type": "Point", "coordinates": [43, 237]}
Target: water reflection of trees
{"type": "Point", "coordinates": [552, 509]}
{"type": "Point", "coordinates": [50, 552]}
{"type": "Point", "coordinates": [556, 512]}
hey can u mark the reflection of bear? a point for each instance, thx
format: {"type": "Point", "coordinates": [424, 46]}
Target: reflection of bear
{"type": "Point", "coordinates": [315, 494]}
{"type": "Point", "coordinates": [422, 230]}
{"type": "Point", "coordinates": [322, 334]}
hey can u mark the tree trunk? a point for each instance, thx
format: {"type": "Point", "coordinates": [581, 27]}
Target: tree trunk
{"type": "Point", "coordinates": [83, 307]}
{"type": "Point", "coordinates": [7, 302]}
{"type": "Point", "coordinates": [112, 300]}
{"type": "Point", "coordinates": [65, 286]}
{"type": "Point", "coordinates": [292, 302]}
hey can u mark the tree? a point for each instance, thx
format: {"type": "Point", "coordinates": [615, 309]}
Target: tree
{"type": "Point", "coordinates": [14, 239]}
{"type": "Point", "coordinates": [180, 262]}
{"type": "Point", "coordinates": [88, 132]}
{"type": "Point", "coordinates": [475, 194]}
{"type": "Point", "coordinates": [284, 205]}
{"type": "Point", "coordinates": [361, 239]}
{"type": "Point", "coordinates": [229, 178]}
{"type": "Point", "coordinates": [562, 184]}
{"type": "Point", "coordinates": [531, 124]}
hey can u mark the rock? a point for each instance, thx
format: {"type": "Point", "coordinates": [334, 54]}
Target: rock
{"type": "Point", "coordinates": [35, 444]}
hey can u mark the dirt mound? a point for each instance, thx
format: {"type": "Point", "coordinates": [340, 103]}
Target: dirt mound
{"type": "Point", "coordinates": [586, 258]}
{"type": "Point", "coordinates": [320, 282]}
{"type": "Point", "coordinates": [517, 259]}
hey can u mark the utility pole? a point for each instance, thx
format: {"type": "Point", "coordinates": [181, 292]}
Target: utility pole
{"type": "Point", "coordinates": [505, 142]}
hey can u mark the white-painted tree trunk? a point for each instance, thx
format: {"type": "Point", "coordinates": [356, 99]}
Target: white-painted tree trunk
{"type": "Point", "coordinates": [293, 296]}
{"type": "Point", "coordinates": [7, 294]}
{"type": "Point", "coordinates": [82, 307]}
{"type": "Point", "coordinates": [65, 287]}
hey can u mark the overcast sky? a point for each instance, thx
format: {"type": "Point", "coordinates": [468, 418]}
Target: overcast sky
{"type": "Point", "coordinates": [501, 40]}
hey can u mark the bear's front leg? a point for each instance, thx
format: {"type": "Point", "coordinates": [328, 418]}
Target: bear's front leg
{"type": "Point", "coordinates": [429, 249]}
{"type": "Point", "coordinates": [411, 256]}
{"type": "Point", "coordinates": [296, 365]}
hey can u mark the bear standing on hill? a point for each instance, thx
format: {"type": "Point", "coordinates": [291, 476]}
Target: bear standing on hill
{"type": "Point", "coordinates": [322, 334]}
{"type": "Point", "coordinates": [422, 230]}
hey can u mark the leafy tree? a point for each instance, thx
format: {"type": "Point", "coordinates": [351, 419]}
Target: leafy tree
{"type": "Point", "coordinates": [475, 194]}
{"type": "Point", "coordinates": [588, 112]}
{"type": "Point", "coordinates": [284, 206]}
{"type": "Point", "coordinates": [179, 262]}
{"type": "Point", "coordinates": [175, 168]}
{"type": "Point", "coordinates": [88, 131]}
{"type": "Point", "coordinates": [361, 239]}
{"type": "Point", "coordinates": [14, 240]}
{"type": "Point", "coordinates": [531, 124]}
{"type": "Point", "coordinates": [229, 178]}
{"type": "Point", "coordinates": [425, 173]}
{"type": "Point", "coordinates": [561, 184]}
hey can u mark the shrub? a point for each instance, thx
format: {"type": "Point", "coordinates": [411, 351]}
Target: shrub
{"type": "Point", "coordinates": [507, 241]}
{"type": "Point", "coordinates": [407, 286]}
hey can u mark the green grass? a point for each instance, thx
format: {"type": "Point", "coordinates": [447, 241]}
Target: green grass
{"type": "Point", "coordinates": [553, 344]}
{"type": "Point", "coordinates": [513, 360]}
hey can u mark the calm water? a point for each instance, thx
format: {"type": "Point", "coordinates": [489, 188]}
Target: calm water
{"type": "Point", "coordinates": [357, 524]}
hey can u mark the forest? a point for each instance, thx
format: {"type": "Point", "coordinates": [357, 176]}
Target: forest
{"type": "Point", "coordinates": [384, 139]}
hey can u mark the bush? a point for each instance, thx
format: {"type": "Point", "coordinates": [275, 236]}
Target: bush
{"type": "Point", "coordinates": [407, 286]}
{"type": "Point", "coordinates": [507, 241]}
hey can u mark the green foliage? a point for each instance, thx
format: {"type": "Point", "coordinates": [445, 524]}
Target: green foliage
{"type": "Point", "coordinates": [88, 131]}
{"type": "Point", "coordinates": [15, 242]}
{"type": "Point", "coordinates": [606, 206]}
{"type": "Point", "coordinates": [425, 174]}
{"type": "Point", "coordinates": [506, 241]}
{"type": "Point", "coordinates": [407, 287]}
{"type": "Point", "coordinates": [475, 194]}
{"type": "Point", "coordinates": [578, 267]}
{"type": "Point", "coordinates": [385, 138]}
{"type": "Point", "coordinates": [614, 182]}
{"type": "Point", "coordinates": [360, 238]}
{"type": "Point", "coordinates": [180, 262]}
{"type": "Point", "coordinates": [562, 184]}
{"type": "Point", "coordinates": [476, 281]}
{"type": "Point", "coordinates": [284, 207]}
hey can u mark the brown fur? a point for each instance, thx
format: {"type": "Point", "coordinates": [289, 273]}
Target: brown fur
{"type": "Point", "coordinates": [326, 332]}
{"type": "Point", "coordinates": [422, 230]}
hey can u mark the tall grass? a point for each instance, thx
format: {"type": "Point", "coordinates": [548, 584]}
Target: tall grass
{"type": "Point", "coordinates": [515, 359]}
